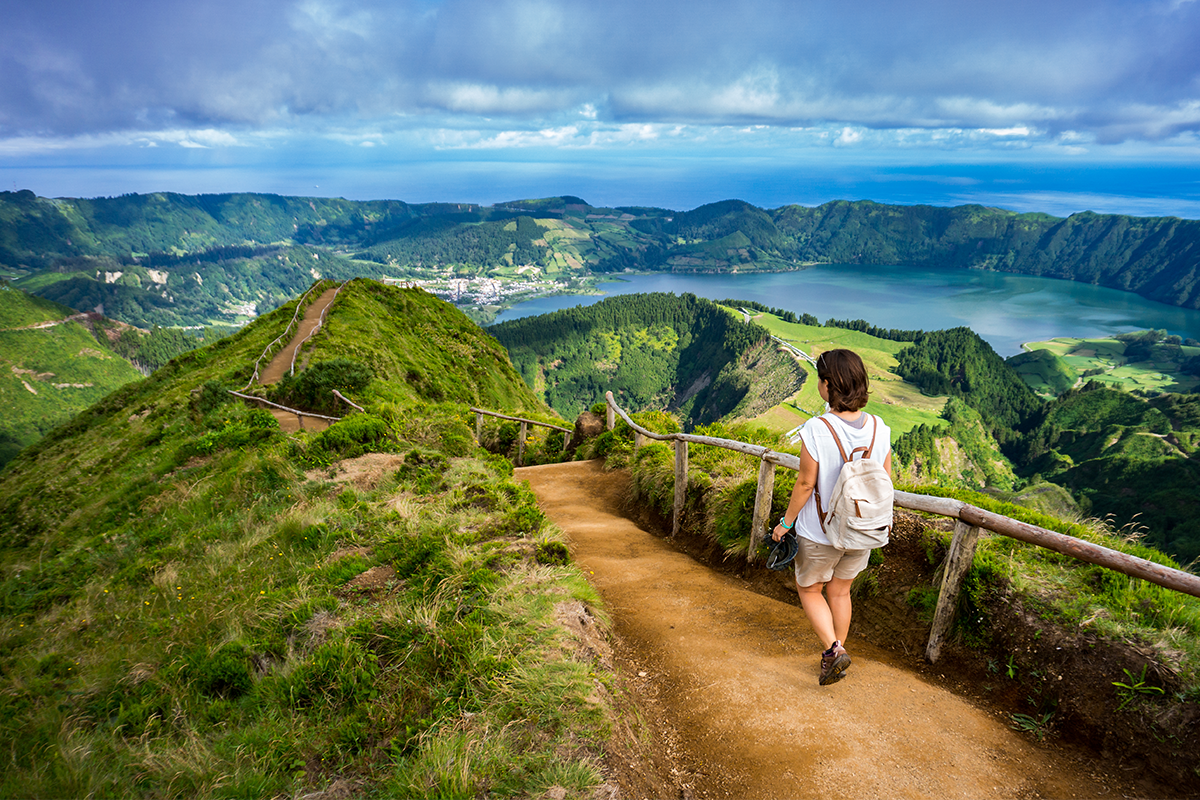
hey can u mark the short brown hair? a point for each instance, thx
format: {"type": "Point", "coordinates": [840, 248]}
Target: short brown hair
{"type": "Point", "coordinates": [846, 376]}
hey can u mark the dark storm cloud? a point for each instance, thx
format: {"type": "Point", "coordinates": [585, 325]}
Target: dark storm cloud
{"type": "Point", "coordinates": [1109, 70]}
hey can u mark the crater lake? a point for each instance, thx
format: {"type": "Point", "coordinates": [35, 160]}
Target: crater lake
{"type": "Point", "coordinates": [1005, 309]}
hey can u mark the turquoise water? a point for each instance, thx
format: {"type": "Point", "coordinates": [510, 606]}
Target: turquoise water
{"type": "Point", "coordinates": [1004, 309]}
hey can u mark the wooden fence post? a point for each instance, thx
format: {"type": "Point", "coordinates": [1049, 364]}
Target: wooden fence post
{"type": "Point", "coordinates": [958, 563]}
{"type": "Point", "coordinates": [521, 444]}
{"type": "Point", "coordinates": [478, 425]}
{"type": "Point", "coordinates": [566, 440]}
{"type": "Point", "coordinates": [638, 441]}
{"type": "Point", "coordinates": [681, 477]}
{"type": "Point", "coordinates": [612, 417]}
{"type": "Point", "coordinates": [762, 506]}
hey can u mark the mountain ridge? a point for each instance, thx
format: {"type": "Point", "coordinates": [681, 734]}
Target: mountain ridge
{"type": "Point", "coordinates": [130, 241]}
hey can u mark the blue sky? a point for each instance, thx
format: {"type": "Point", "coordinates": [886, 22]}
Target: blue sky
{"type": "Point", "coordinates": [1052, 106]}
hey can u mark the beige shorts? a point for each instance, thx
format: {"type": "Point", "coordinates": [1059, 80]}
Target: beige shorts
{"type": "Point", "coordinates": [817, 563]}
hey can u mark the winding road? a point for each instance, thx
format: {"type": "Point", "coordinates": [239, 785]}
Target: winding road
{"type": "Point", "coordinates": [728, 680]}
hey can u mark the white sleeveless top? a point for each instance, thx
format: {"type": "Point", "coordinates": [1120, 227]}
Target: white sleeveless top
{"type": "Point", "coordinates": [820, 445]}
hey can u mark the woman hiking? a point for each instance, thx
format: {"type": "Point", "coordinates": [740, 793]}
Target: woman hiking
{"type": "Point", "coordinates": [824, 573]}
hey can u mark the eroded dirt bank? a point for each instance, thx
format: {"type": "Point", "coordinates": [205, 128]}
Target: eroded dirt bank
{"type": "Point", "coordinates": [727, 680]}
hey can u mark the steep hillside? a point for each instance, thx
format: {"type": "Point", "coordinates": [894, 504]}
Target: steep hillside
{"type": "Point", "coordinates": [961, 452]}
{"type": "Point", "coordinates": [51, 368]}
{"type": "Point", "coordinates": [959, 363]}
{"type": "Point", "coordinates": [1128, 458]}
{"type": "Point", "coordinates": [1152, 256]}
{"type": "Point", "coordinates": [194, 604]}
{"type": "Point", "coordinates": [662, 351]}
{"type": "Point", "coordinates": [220, 286]}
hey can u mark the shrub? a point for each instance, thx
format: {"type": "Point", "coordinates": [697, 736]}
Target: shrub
{"type": "Point", "coordinates": [225, 673]}
{"type": "Point", "coordinates": [422, 471]}
{"type": "Point", "coordinates": [352, 436]}
{"type": "Point", "coordinates": [211, 395]}
{"type": "Point", "coordinates": [553, 553]}
{"type": "Point", "coordinates": [339, 672]}
{"type": "Point", "coordinates": [312, 389]}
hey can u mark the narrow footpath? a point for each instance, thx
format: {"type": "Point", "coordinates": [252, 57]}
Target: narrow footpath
{"type": "Point", "coordinates": [728, 680]}
{"type": "Point", "coordinates": [282, 362]}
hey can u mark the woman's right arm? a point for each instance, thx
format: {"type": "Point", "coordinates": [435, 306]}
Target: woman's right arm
{"type": "Point", "coordinates": [806, 482]}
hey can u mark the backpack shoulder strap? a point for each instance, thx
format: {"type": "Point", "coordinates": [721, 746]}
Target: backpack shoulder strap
{"type": "Point", "coordinates": [836, 440]}
{"type": "Point", "coordinates": [874, 433]}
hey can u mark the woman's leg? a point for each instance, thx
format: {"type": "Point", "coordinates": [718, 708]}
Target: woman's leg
{"type": "Point", "coordinates": [819, 613]}
{"type": "Point", "coordinates": [838, 591]}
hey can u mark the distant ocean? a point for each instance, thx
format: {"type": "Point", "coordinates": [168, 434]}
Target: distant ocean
{"type": "Point", "coordinates": [665, 180]}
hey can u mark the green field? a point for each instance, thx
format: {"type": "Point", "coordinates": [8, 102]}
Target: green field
{"type": "Point", "coordinates": [1161, 374]}
{"type": "Point", "coordinates": [898, 402]}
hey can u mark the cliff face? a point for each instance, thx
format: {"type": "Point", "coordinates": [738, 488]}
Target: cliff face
{"type": "Point", "coordinates": [766, 374]}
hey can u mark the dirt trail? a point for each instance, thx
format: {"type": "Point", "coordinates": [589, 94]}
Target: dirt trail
{"type": "Point", "coordinates": [732, 676]}
{"type": "Point", "coordinates": [282, 362]}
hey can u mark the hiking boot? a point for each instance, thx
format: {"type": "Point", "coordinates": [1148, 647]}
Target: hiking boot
{"type": "Point", "coordinates": [834, 662]}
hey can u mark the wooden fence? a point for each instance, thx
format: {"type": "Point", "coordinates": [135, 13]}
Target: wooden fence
{"type": "Point", "coordinates": [525, 423]}
{"type": "Point", "coordinates": [263, 401]}
{"type": "Point", "coordinates": [969, 521]}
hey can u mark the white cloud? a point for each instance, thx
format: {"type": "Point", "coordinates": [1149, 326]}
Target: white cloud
{"type": "Point", "coordinates": [478, 98]}
{"type": "Point", "coordinates": [1020, 130]}
{"type": "Point", "coordinates": [848, 136]}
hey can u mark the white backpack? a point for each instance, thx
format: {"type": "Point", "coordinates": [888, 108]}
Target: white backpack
{"type": "Point", "coordinates": [859, 514]}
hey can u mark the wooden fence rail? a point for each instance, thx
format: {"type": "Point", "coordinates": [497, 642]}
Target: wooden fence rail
{"type": "Point", "coordinates": [970, 520]}
{"type": "Point", "coordinates": [525, 423]}
{"type": "Point", "coordinates": [295, 411]}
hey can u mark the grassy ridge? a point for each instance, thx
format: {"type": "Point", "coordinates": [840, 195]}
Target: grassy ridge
{"type": "Point", "coordinates": [194, 604]}
{"type": "Point", "coordinates": [18, 309]}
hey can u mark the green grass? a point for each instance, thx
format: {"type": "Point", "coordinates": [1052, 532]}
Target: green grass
{"type": "Point", "coordinates": [186, 612]}
{"type": "Point", "coordinates": [899, 403]}
{"type": "Point", "coordinates": [47, 375]}
{"type": "Point", "coordinates": [1108, 356]}
{"type": "Point", "coordinates": [18, 308]}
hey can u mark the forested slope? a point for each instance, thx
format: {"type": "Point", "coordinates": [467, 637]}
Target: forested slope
{"type": "Point", "coordinates": [51, 368]}
{"type": "Point", "coordinates": [1155, 257]}
{"type": "Point", "coordinates": [680, 353]}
